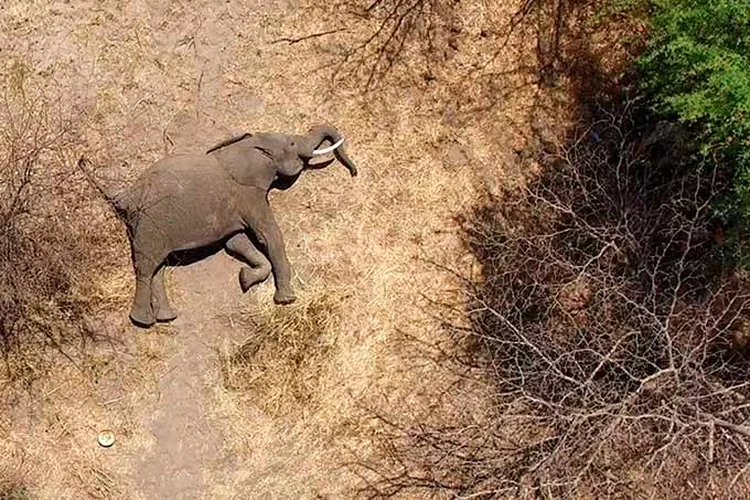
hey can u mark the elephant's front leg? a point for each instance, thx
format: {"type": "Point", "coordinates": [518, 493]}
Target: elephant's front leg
{"type": "Point", "coordinates": [262, 221]}
{"type": "Point", "coordinates": [260, 269]}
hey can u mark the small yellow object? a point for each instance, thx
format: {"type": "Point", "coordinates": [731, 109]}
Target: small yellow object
{"type": "Point", "coordinates": [106, 438]}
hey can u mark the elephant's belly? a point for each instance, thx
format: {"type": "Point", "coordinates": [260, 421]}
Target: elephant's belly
{"type": "Point", "coordinates": [197, 229]}
{"type": "Point", "coordinates": [192, 238]}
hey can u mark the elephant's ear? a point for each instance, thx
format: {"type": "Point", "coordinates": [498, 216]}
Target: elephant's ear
{"type": "Point", "coordinates": [249, 166]}
{"type": "Point", "coordinates": [228, 142]}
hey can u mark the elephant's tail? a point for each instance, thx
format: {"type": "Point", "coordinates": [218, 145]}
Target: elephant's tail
{"type": "Point", "coordinates": [116, 203]}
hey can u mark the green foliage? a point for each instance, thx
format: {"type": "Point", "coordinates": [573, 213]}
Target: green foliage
{"type": "Point", "coordinates": [697, 69]}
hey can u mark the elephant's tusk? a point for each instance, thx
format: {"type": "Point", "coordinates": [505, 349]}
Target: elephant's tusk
{"type": "Point", "coordinates": [318, 152]}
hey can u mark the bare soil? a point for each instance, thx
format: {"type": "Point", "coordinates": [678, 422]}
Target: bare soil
{"type": "Point", "coordinates": [187, 442]}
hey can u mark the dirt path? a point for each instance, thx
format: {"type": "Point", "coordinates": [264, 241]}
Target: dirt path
{"type": "Point", "coordinates": [187, 448]}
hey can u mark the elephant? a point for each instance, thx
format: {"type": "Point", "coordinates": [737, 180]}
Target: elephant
{"type": "Point", "coordinates": [187, 201]}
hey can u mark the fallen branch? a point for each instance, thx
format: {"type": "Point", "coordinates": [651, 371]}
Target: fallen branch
{"type": "Point", "coordinates": [292, 41]}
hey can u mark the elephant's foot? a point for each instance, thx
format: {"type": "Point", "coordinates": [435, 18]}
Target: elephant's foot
{"type": "Point", "coordinates": [283, 297]}
{"type": "Point", "coordinates": [165, 314]}
{"type": "Point", "coordinates": [251, 277]}
{"type": "Point", "coordinates": [142, 317]}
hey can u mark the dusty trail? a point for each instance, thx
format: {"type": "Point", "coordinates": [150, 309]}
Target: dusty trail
{"type": "Point", "coordinates": [187, 449]}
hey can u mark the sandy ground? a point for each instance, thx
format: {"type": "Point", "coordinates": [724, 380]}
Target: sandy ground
{"type": "Point", "coordinates": [150, 77]}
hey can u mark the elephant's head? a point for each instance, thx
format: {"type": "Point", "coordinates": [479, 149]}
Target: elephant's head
{"type": "Point", "coordinates": [310, 147]}
{"type": "Point", "coordinates": [287, 155]}
{"type": "Point", "coordinates": [293, 153]}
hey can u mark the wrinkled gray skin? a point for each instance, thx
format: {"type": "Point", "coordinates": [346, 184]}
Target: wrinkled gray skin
{"type": "Point", "coordinates": [184, 202]}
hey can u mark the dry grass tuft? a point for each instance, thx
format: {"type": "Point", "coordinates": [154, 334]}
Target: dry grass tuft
{"type": "Point", "coordinates": [286, 355]}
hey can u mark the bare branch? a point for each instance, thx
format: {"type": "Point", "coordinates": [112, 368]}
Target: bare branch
{"type": "Point", "coordinates": [292, 41]}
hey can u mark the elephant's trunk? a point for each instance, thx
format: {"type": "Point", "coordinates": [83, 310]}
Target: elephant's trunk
{"type": "Point", "coordinates": [321, 133]}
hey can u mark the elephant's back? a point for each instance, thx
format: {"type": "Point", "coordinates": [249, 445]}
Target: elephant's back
{"type": "Point", "coordinates": [187, 166]}
{"type": "Point", "coordinates": [183, 201]}
{"type": "Point", "coordinates": [183, 171]}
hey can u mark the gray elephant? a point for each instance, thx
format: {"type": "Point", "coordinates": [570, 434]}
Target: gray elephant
{"type": "Point", "coordinates": [184, 202]}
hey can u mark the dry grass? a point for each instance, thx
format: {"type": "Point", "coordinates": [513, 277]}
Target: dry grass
{"type": "Point", "coordinates": [62, 414]}
{"type": "Point", "coordinates": [285, 356]}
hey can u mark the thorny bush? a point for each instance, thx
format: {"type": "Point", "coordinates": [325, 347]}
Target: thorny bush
{"type": "Point", "coordinates": [609, 329]}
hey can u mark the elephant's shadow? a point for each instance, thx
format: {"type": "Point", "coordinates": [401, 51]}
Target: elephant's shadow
{"type": "Point", "coordinates": [184, 258]}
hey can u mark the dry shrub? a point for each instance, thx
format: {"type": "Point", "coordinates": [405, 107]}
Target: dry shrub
{"type": "Point", "coordinates": [450, 43]}
{"type": "Point", "coordinates": [282, 361]}
{"type": "Point", "coordinates": [603, 325]}
{"type": "Point", "coordinates": [47, 245]}
{"type": "Point", "coordinates": [399, 32]}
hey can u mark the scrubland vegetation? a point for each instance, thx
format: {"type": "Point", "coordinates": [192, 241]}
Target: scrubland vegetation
{"type": "Point", "coordinates": [51, 256]}
{"type": "Point", "coordinates": [609, 320]}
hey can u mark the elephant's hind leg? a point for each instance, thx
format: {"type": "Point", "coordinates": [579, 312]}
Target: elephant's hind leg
{"type": "Point", "coordinates": [241, 245]}
{"type": "Point", "coordinates": [159, 301]}
{"type": "Point", "coordinates": [142, 313]}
